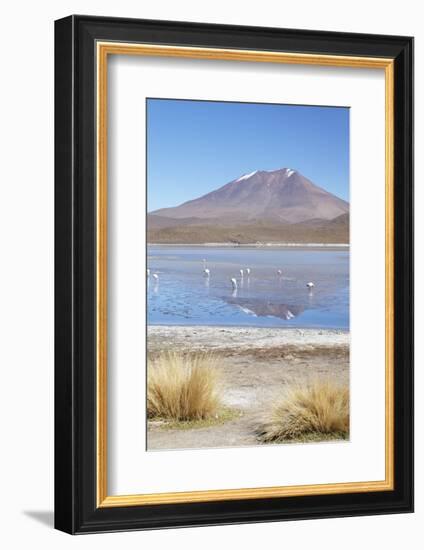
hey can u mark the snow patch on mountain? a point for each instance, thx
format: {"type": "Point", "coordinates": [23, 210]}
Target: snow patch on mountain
{"type": "Point", "coordinates": [247, 176]}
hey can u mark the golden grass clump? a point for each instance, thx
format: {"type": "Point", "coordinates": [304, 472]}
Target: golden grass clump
{"type": "Point", "coordinates": [318, 410]}
{"type": "Point", "coordinates": [182, 387]}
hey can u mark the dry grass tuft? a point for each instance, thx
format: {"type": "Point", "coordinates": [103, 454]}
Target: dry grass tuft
{"type": "Point", "coordinates": [318, 410]}
{"type": "Point", "coordinates": [182, 387]}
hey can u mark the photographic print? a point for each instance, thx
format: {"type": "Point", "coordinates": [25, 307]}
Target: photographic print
{"type": "Point", "coordinates": [248, 274]}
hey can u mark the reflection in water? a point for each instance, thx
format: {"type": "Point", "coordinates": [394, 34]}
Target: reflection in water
{"type": "Point", "coordinates": [266, 309]}
{"type": "Point", "coordinates": [259, 298]}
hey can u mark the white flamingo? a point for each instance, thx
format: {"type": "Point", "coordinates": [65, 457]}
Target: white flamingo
{"type": "Point", "coordinates": [310, 285]}
{"type": "Point", "coordinates": [241, 273]}
{"type": "Point", "coordinates": [234, 283]}
{"type": "Point", "coordinates": [155, 277]}
{"type": "Point", "coordinates": [279, 272]}
{"type": "Point", "coordinates": [248, 271]}
{"type": "Point", "coordinates": [206, 272]}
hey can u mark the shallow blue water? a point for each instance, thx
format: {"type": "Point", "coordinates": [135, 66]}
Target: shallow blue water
{"type": "Point", "coordinates": [184, 296]}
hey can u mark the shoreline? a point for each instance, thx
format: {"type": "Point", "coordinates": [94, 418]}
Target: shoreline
{"type": "Point", "coordinates": [245, 339]}
{"type": "Point", "coordinates": [257, 245]}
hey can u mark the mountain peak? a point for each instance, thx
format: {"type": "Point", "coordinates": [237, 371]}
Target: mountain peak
{"type": "Point", "coordinates": [284, 172]}
{"type": "Point", "coordinates": [282, 195]}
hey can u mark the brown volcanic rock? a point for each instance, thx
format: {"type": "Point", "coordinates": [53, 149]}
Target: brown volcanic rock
{"type": "Point", "coordinates": [324, 232]}
{"type": "Point", "coordinates": [283, 196]}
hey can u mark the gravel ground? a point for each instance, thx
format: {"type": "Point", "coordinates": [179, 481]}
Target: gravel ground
{"type": "Point", "coordinates": [256, 365]}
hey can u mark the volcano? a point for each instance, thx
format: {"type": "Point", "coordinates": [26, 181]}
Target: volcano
{"type": "Point", "coordinates": [282, 195]}
{"type": "Point", "coordinates": [278, 203]}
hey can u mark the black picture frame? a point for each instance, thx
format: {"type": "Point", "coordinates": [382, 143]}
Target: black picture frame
{"type": "Point", "coordinates": [76, 510]}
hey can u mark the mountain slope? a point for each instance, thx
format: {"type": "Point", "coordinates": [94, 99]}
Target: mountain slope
{"type": "Point", "coordinates": [283, 196]}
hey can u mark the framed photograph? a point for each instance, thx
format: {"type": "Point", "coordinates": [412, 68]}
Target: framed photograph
{"type": "Point", "coordinates": [234, 274]}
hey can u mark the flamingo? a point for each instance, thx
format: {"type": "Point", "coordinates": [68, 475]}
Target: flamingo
{"type": "Point", "coordinates": [310, 285]}
{"type": "Point", "coordinates": [248, 271]}
{"type": "Point", "coordinates": [241, 273]}
{"type": "Point", "coordinates": [234, 283]}
{"type": "Point", "coordinates": [155, 277]}
{"type": "Point", "coordinates": [279, 272]}
{"type": "Point", "coordinates": [206, 272]}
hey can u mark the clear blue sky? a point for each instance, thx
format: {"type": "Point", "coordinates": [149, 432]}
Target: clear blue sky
{"type": "Point", "coordinates": [194, 147]}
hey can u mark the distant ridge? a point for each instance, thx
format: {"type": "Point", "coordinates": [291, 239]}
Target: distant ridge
{"type": "Point", "coordinates": [270, 206]}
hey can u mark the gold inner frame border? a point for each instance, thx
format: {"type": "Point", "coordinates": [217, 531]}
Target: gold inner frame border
{"type": "Point", "coordinates": [103, 50]}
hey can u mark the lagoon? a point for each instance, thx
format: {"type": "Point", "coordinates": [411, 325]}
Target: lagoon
{"type": "Point", "coordinates": [184, 296]}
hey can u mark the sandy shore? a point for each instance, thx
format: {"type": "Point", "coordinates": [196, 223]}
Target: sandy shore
{"type": "Point", "coordinates": [244, 339]}
{"type": "Point", "coordinates": [256, 365]}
